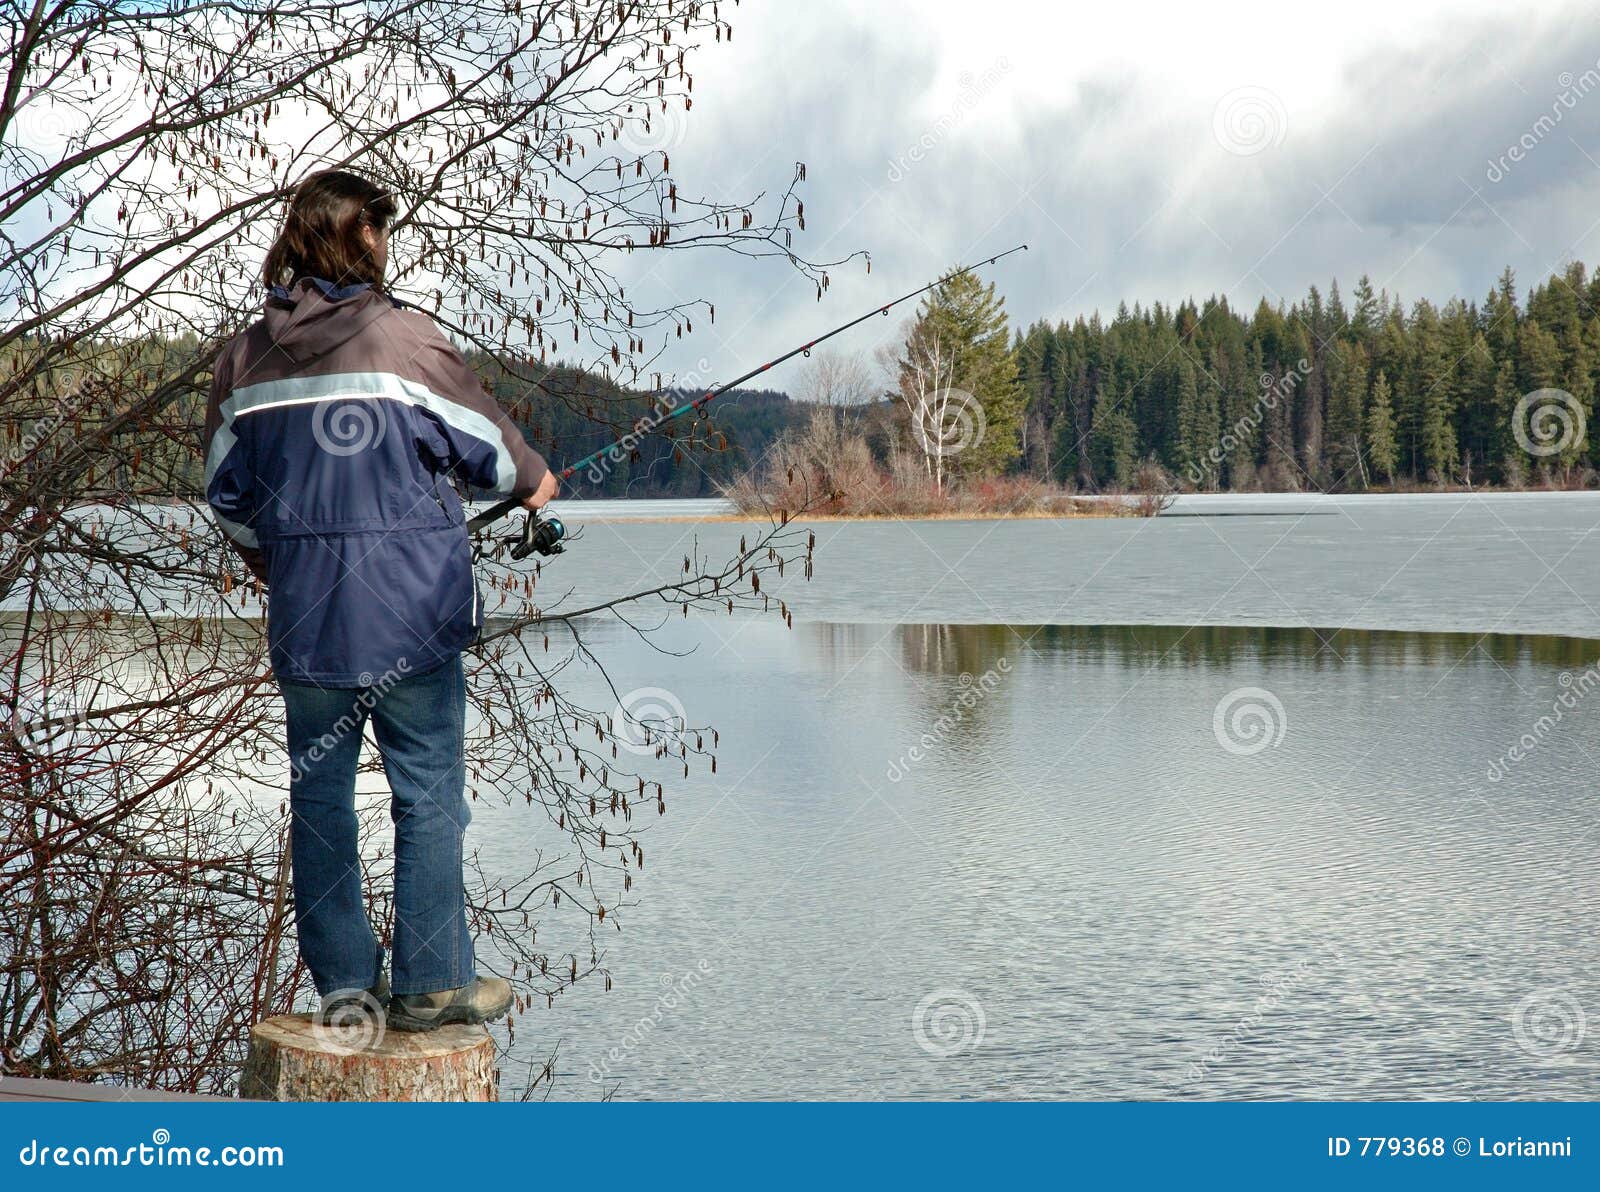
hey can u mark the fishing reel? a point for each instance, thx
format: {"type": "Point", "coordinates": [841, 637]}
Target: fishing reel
{"type": "Point", "coordinates": [545, 536]}
{"type": "Point", "coordinates": [540, 535]}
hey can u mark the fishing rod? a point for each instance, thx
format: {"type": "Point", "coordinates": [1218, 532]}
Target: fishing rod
{"type": "Point", "coordinates": [544, 534]}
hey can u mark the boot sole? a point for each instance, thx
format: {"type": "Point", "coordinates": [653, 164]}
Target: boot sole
{"type": "Point", "coordinates": [450, 1016]}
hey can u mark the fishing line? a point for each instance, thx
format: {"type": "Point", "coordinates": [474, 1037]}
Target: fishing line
{"type": "Point", "coordinates": [544, 534]}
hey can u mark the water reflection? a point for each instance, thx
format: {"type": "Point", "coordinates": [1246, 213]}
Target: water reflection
{"type": "Point", "coordinates": [972, 649]}
{"type": "Point", "coordinates": [1355, 909]}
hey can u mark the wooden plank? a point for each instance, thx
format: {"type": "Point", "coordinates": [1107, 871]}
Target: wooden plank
{"type": "Point", "coordinates": [19, 1088]}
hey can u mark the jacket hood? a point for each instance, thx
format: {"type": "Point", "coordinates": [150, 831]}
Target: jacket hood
{"type": "Point", "coordinates": [314, 316]}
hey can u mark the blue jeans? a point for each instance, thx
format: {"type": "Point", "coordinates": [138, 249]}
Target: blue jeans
{"type": "Point", "coordinates": [418, 721]}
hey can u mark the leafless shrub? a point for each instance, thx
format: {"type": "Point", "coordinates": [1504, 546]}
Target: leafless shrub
{"type": "Point", "coordinates": [828, 467]}
{"type": "Point", "coordinates": [145, 151]}
{"type": "Point", "coordinates": [1154, 489]}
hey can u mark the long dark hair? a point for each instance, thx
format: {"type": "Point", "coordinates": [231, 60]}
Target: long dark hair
{"type": "Point", "coordinates": [320, 236]}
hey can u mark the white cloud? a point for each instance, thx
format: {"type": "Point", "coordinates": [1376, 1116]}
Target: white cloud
{"type": "Point", "coordinates": [1097, 145]}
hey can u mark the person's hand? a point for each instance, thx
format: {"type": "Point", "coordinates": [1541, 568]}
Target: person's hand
{"type": "Point", "coordinates": [542, 495]}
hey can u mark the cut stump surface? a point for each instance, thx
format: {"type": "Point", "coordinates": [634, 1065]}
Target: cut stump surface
{"type": "Point", "coordinates": [293, 1058]}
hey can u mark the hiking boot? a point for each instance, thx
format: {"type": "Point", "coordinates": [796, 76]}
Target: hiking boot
{"type": "Point", "coordinates": [354, 1007]}
{"type": "Point", "coordinates": [485, 1000]}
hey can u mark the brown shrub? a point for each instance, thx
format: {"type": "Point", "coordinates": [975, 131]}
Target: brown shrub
{"type": "Point", "coordinates": [827, 468]}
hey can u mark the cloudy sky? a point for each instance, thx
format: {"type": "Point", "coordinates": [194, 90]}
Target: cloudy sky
{"type": "Point", "coordinates": [1144, 152]}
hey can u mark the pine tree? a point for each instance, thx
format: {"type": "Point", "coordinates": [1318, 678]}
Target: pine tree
{"type": "Point", "coordinates": [1115, 439]}
{"type": "Point", "coordinates": [969, 318]}
{"type": "Point", "coordinates": [1539, 363]}
{"type": "Point", "coordinates": [1190, 446]}
{"type": "Point", "coordinates": [1591, 341]}
{"type": "Point", "coordinates": [1242, 412]}
{"type": "Point", "coordinates": [1205, 434]}
{"type": "Point", "coordinates": [1188, 386]}
{"type": "Point", "coordinates": [1310, 399]}
{"type": "Point", "coordinates": [1432, 407]}
{"type": "Point", "coordinates": [1338, 320]}
{"type": "Point", "coordinates": [1503, 447]}
{"type": "Point", "coordinates": [1364, 318]}
{"type": "Point", "coordinates": [1347, 394]}
{"type": "Point", "coordinates": [1034, 352]}
{"type": "Point", "coordinates": [1283, 468]}
{"type": "Point", "coordinates": [1382, 451]}
{"type": "Point", "coordinates": [1475, 405]}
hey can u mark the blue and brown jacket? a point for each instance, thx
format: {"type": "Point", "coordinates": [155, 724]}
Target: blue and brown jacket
{"type": "Point", "coordinates": [333, 425]}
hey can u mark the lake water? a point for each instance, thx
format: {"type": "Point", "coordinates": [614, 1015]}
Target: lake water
{"type": "Point", "coordinates": [1505, 563]}
{"type": "Point", "coordinates": [1294, 803]}
{"type": "Point", "coordinates": [1265, 797]}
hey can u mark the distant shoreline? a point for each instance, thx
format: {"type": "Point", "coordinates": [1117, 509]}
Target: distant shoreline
{"type": "Point", "coordinates": [575, 509]}
{"type": "Point", "coordinates": [1085, 507]}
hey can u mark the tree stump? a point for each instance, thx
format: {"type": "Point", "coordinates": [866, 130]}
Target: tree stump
{"type": "Point", "coordinates": [293, 1058]}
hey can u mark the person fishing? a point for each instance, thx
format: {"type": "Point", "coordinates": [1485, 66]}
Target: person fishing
{"type": "Point", "coordinates": [333, 427]}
